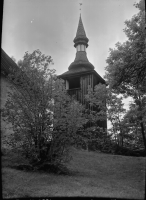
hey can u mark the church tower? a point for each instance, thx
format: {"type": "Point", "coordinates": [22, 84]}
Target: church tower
{"type": "Point", "coordinates": [81, 72]}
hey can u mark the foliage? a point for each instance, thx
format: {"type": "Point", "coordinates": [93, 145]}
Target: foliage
{"type": "Point", "coordinates": [99, 140]}
{"type": "Point", "coordinates": [126, 71]}
{"type": "Point", "coordinates": [44, 118]}
{"type": "Point", "coordinates": [121, 137]}
{"type": "Point", "coordinates": [67, 120]}
{"type": "Point", "coordinates": [132, 127]}
{"type": "Point", "coordinates": [126, 64]}
{"type": "Point", "coordinates": [116, 111]}
{"type": "Point", "coordinates": [110, 106]}
{"type": "Point", "coordinates": [97, 101]}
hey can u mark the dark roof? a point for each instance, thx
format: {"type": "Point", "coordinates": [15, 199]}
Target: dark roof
{"type": "Point", "coordinates": [81, 69]}
{"type": "Point", "coordinates": [80, 30]}
{"type": "Point", "coordinates": [81, 35]}
{"type": "Point", "coordinates": [7, 64]}
{"type": "Point", "coordinates": [81, 64]}
{"type": "Point", "coordinates": [81, 61]}
{"type": "Point", "coordinates": [79, 72]}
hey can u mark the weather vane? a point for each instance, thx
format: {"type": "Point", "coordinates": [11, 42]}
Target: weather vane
{"type": "Point", "coordinates": [80, 6]}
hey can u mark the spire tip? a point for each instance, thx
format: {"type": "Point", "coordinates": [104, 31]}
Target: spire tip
{"type": "Point", "coordinates": [80, 8]}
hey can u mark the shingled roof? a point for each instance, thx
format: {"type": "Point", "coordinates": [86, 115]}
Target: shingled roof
{"type": "Point", "coordinates": [81, 35]}
{"type": "Point", "coordinates": [80, 71]}
{"type": "Point", "coordinates": [74, 71]}
{"type": "Point", "coordinates": [80, 30]}
{"type": "Point", "coordinates": [7, 64]}
{"type": "Point", "coordinates": [81, 60]}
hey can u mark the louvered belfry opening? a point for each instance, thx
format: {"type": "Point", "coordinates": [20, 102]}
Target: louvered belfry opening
{"type": "Point", "coordinates": [74, 83]}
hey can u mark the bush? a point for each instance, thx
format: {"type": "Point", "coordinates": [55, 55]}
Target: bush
{"type": "Point", "coordinates": [102, 142]}
{"type": "Point", "coordinates": [44, 117]}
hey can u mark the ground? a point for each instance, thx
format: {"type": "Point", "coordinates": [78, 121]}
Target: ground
{"type": "Point", "coordinates": [94, 175]}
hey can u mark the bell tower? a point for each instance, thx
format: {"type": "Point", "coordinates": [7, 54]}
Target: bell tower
{"type": "Point", "coordinates": [81, 73]}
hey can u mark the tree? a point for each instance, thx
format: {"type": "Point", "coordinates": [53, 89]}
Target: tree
{"type": "Point", "coordinates": [108, 106]}
{"type": "Point", "coordinates": [116, 112]}
{"type": "Point", "coordinates": [126, 63]}
{"type": "Point", "coordinates": [42, 114]}
{"type": "Point", "coordinates": [132, 127]}
{"type": "Point", "coordinates": [97, 100]}
{"type": "Point", "coordinates": [67, 120]}
{"type": "Point", "coordinates": [126, 71]}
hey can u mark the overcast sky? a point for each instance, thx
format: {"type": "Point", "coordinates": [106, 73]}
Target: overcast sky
{"type": "Point", "coordinates": [51, 25]}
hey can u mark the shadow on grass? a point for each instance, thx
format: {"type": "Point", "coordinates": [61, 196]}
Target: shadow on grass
{"type": "Point", "coordinates": [45, 168]}
{"type": "Point", "coordinates": [15, 161]}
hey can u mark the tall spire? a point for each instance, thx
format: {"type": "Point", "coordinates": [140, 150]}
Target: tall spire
{"type": "Point", "coordinates": [80, 30]}
{"type": "Point", "coordinates": [81, 35]}
{"type": "Point", "coordinates": [81, 43]}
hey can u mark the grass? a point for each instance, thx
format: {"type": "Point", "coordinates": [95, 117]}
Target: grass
{"type": "Point", "coordinates": [93, 175]}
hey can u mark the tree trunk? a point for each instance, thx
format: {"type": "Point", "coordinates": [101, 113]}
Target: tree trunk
{"type": "Point", "coordinates": [143, 135]}
{"type": "Point", "coordinates": [121, 140]}
{"type": "Point", "coordinates": [141, 122]}
{"type": "Point", "coordinates": [121, 137]}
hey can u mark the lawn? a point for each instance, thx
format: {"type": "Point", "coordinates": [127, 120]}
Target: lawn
{"type": "Point", "coordinates": [93, 175]}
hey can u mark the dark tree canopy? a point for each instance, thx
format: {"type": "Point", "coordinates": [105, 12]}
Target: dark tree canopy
{"type": "Point", "coordinates": [126, 67]}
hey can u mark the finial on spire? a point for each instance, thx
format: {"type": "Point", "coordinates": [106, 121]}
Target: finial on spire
{"type": "Point", "coordinates": [80, 7]}
{"type": "Point", "coordinates": [80, 35]}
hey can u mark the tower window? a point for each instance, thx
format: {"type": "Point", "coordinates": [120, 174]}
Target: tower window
{"type": "Point", "coordinates": [81, 47]}
{"type": "Point", "coordinates": [74, 83]}
{"type": "Point", "coordinates": [78, 48]}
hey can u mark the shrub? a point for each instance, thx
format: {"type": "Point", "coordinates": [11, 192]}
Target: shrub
{"type": "Point", "coordinates": [44, 117]}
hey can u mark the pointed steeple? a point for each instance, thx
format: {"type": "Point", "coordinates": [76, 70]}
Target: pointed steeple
{"type": "Point", "coordinates": [81, 35]}
{"type": "Point", "coordinates": [81, 43]}
{"type": "Point", "coordinates": [81, 70]}
{"type": "Point", "coordinates": [80, 30]}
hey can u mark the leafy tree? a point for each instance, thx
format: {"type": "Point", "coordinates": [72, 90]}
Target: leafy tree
{"type": "Point", "coordinates": [108, 106]}
{"type": "Point", "coordinates": [126, 71]}
{"type": "Point", "coordinates": [44, 118]}
{"type": "Point", "coordinates": [126, 64]}
{"type": "Point", "coordinates": [132, 127]}
{"type": "Point", "coordinates": [97, 111]}
{"type": "Point", "coordinates": [124, 135]}
{"type": "Point", "coordinates": [67, 120]}
{"type": "Point", "coordinates": [115, 112]}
